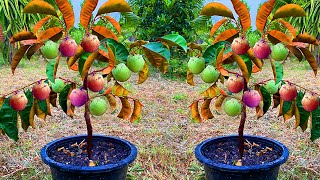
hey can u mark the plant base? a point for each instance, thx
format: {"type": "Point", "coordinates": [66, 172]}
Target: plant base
{"type": "Point", "coordinates": [220, 171]}
{"type": "Point", "coordinates": [114, 171]}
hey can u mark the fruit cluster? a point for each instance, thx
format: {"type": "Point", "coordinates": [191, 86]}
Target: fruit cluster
{"type": "Point", "coordinates": [236, 83]}
{"type": "Point", "coordinates": [40, 91]}
{"type": "Point", "coordinates": [90, 43]}
{"type": "Point", "coordinates": [95, 82]}
{"type": "Point", "coordinates": [78, 97]}
{"type": "Point", "coordinates": [68, 46]}
{"type": "Point", "coordinates": [122, 72]}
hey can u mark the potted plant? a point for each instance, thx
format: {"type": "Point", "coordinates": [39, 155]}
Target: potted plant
{"type": "Point", "coordinates": [84, 156]}
{"type": "Point", "coordinates": [244, 156]}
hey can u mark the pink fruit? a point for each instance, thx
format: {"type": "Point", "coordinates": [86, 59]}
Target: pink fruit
{"type": "Point", "coordinates": [288, 92]}
{"type": "Point", "coordinates": [95, 82]}
{"type": "Point", "coordinates": [41, 91]}
{"type": "Point", "coordinates": [90, 43]}
{"type": "Point", "coordinates": [261, 49]}
{"type": "Point", "coordinates": [240, 45]}
{"type": "Point", "coordinates": [68, 47]}
{"type": "Point", "coordinates": [18, 101]}
{"type": "Point", "coordinates": [235, 84]}
{"type": "Point", "coordinates": [310, 102]}
{"type": "Point", "coordinates": [251, 98]}
{"type": "Point", "coordinates": [78, 97]}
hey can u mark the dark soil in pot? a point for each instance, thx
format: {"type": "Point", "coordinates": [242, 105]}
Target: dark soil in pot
{"type": "Point", "coordinates": [67, 158]}
{"type": "Point", "coordinates": [103, 153]}
{"type": "Point", "coordinates": [261, 161]}
{"type": "Point", "coordinates": [227, 152]}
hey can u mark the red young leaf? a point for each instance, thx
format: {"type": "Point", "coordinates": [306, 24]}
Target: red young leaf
{"type": "Point", "coordinates": [114, 6]}
{"type": "Point", "coordinates": [23, 35]}
{"type": "Point", "coordinates": [306, 38]}
{"type": "Point", "coordinates": [33, 49]}
{"type": "Point", "coordinates": [74, 58]}
{"type": "Point", "coordinates": [280, 36]}
{"type": "Point", "coordinates": [311, 59]}
{"type": "Point", "coordinates": [114, 23]}
{"type": "Point", "coordinates": [41, 7]}
{"type": "Point", "coordinates": [103, 32]}
{"type": "Point", "coordinates": [18, 56]}
{"type": "Point", "coordinates": [216, 9]}
{"type": "Point", "coordinates": [88, 64]}
{"type": "Point", "coordinates": [195, 111]}
{"type": "Point", "coordinates": [291, 29]}
{"type": "Point", "coordinates": [126, 108]}
{"type": "Point", "coordinates": [136, 114]}
{"type": "Point", "coordinates": [86, 12]}
{"type": "Point", "coordinates": [205, 109]}
{"type": "Point", "coordinates": [296, 51]}
{"type": "Point", "coordinates": [219, 61]}
{"type": "Point", "coordinates": [216, 26]}
{"type": "Point", "coordinates": [289, 10]}
{"type": "Point", "coordinates": [243, 12]}
{"type": "Point", "coordinates": [40, 24]}
{"type": "Point", "coordinates": [227, 35]}
{"type": "Point", "coordinates": [263, 14]}
{"type": "Point", "coordinates": [67, 12]}
{"type": "Point", "coordinates": [49, 33]}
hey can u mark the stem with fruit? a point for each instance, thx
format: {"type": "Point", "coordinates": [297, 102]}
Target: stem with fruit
{"type": "Point", "coordinates": [7, 94]}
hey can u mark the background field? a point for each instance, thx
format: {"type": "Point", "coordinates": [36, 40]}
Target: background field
{"type": "Point", "coordinates": [165, 136]}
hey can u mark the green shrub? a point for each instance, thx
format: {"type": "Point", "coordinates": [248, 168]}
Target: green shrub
{"type": "Point", "coordinates": [77, 33]}
{"type": "Point", "coordinates": [253, 37]}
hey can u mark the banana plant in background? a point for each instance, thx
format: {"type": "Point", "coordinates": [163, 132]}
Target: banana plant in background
{"type": "Point", "coordinates": [10, 11]}
{"type": "Point", "coordinates": [99, 43]}
{"type": "Point", "coordinates": [231, 90]}
{"type": "Point", "coordinates": [308, 24]}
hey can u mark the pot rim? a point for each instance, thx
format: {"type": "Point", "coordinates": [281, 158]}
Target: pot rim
{"type": "Point", "coordinates": [224, 167]}
{"type": "Point", "coordinates": [89, 169]}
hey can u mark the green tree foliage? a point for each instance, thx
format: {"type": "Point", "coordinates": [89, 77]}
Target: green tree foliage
{"type": "Point", "coordinates": [161, 17]}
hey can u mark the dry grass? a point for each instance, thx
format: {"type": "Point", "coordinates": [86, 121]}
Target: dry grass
{"type": "Point", "coordinates": [165, 136]}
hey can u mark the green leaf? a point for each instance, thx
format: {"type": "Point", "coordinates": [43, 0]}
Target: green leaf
{"type": "Point", "coordinates": [315, 131]}
{"type": "Point", "coordinates": [118, 49]}
{"type": "Point", "coordinates": [286, 107]}
{"type": "Point", "coordinates": [266, 98]}
{"type": "Point", "coordinates": [8, 120]}
{"type": "Point", "coordinates": [24, 114]}
{"type": "Point", "coordinates": [84, 56]}
{"type": "Point", "coordinates": [279, 72]}
{"type": "Point", "coordinates": [50, 70]}
{"type": "Point", "coordinates": [159, 49]}
{"type": "Point", "coordinates": [43, 106]}
{"type": "Point", "coordinates": [211, 53]}
{"type": "Point", "coordinates": [63, 98]}
{"type": "Point", "coordinates": [304, 115]}
{"type": "Point", "coordinates": [248, 62]}
{"type": "Point", "coordinates": [175, 40]}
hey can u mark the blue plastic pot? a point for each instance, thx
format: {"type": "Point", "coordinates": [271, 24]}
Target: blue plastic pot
{"type": "Point", "coordinates": [62, 171]}
{"type": "Point", "coordinates": [219, 171]}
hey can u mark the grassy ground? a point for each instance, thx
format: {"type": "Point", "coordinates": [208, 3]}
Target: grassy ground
{"type": "Point", "coordinates": [165, 136]}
